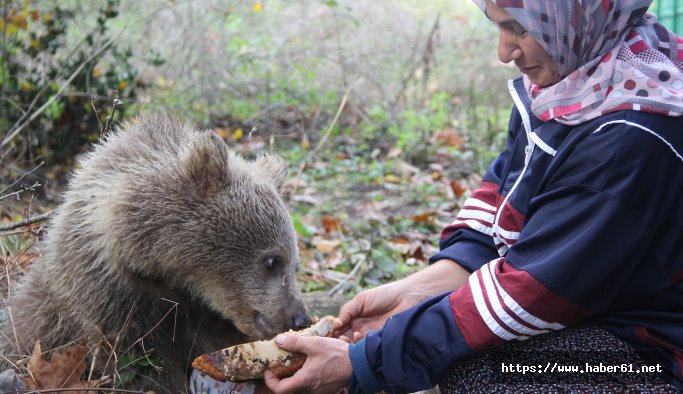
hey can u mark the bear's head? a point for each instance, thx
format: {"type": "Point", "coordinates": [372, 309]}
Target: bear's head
{"type": "Point", "coordinates": [224, 234]}
{"type": "Point", "coordinates": [250, 243]}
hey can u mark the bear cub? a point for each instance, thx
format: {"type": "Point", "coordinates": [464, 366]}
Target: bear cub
{"type": "Point", "coordinates": [167, 244]}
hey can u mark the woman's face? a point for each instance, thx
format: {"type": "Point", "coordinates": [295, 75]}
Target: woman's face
{"type": "Point", "coordinates": [518, 45]}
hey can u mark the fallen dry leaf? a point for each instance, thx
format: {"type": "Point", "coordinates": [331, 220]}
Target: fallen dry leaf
{"type": "Point", "coordinates": [61, 371]}
{"type": "Point", "coordinates": [331, 223]}
{"type": "Point", "coordinates": [448, 137]}
{"type": "Point", "coordinates": [458, 190]}
{"type": "Point", "coordinates": [391, 178]}
{"type": "Point", "coordinates": [426, 217]}
{"type": "Point", "coordinates": [333, 259]}
{"type": "Point", "coordinates": [394, 152]}
{"type": "Point", "coordinates": [408, 249]}
{"type": "Point", "coordinates": [325, 245]}
{"type": "Point", "coordinates": [406, 169]}
{"type": "Point", "coordinates": [372, 210]}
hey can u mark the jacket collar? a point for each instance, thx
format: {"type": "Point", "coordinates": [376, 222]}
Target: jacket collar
{"type": "Point", "coordinates": [536, 134]}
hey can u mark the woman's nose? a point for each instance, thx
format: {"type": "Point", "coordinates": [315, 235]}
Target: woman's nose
{"type": "Point", "coordinates": [508, 48]}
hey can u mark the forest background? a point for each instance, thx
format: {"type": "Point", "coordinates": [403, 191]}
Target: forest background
{"type": "Point", "coordinates": [388, 111]}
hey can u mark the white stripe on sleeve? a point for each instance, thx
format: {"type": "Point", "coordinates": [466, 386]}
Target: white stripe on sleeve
{"type": "Point", "coordinates": [477, 203]}
{"type": "Point", "coordinates": [516, 308]}
{"type": "Point", "coordinates": [502, 314]}
{"type": "Point", "coordinates": [465, 214]}
{"type": "Point", "coordinates": [474, 225]}
{"type": "Point", "coordinates": [483, 310]}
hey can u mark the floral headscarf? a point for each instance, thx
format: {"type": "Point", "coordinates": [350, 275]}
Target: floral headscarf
{"type": "Point", "coordinates": [610, 54]}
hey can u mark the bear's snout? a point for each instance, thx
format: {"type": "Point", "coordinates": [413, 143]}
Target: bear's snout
{"type": "Point", "coordinates": [301, 320]}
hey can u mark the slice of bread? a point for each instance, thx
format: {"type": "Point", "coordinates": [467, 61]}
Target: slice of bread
{"type": "Point", "coordinates": [249, 361]}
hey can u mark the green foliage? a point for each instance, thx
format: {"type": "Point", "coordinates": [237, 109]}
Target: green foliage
{"type": "Point", "coordinates": [35, 64]}
{"type": "Point", "coordinates": [301, 228]}
{"type": "Point", "coordinates": [415, 125]}
{"type": "Point", "coordinates": [131, 365]}
{"type": "Point", "coordinates": [14, 244]}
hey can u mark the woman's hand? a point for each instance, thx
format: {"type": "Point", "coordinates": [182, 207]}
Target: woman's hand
{"type": "Point", "coordinates": [370, 309]}
{"type": "Point", "coordinates": [326, 370]}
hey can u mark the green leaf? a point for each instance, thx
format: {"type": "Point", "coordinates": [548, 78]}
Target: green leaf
{"type": "Point", "coordinates": [126, 360]}
{"type": "Point", "coordinates": [383, 262]}
{"type": "Point", "coordinates": [301, 228]}
{"type": "Point", "coordinates": [55, 109]}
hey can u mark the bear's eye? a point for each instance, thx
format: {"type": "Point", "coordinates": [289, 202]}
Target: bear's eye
{"type": "Point", "coordinates": [273, 262]}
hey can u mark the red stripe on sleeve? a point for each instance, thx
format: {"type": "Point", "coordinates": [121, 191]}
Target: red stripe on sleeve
{"type": "Point", "coordinates": [535, 298]}
{"type": "Point", "coordinates": [487, 301]}
{"type": "Point", "coordinates": [486, 193]}
{"type": "Point", "coordinates": [471, 325]}
{"type": "Point", "coordinates": [511, 219]}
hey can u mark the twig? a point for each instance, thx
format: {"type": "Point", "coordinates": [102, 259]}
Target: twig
{"type": "Point", "coordinates": [26, 222]}
{"type": "Point", "coordinates": [11, 261]}
{"type": "Point", "coordinates": [12, 232]}
{"type": "Point", "coordinates": [146, 356]}
{"type": "Point", "coordinates": [315, 150]}
{"type": "Point", "coordinates": [348, 276]}
{"type": "Point", "coordinates": [93, 100]}
{"type": "Point", "coordinates": [20, 178]}
{"type": "Point", "coordinates": [173, 308]}
{"type": "Point", "coordinates": [23, 189]}
{"type": "Point", "coordinates": [426, 56]}
{"type": "Point", "coordinates": [175, 317]}
{"type": "Point", "coordinates": [107, 390]}
{"type": "Point", "coordinates": [117, 341]}
{"type": "Point", "coordinates": [96, 353]}
{"type": "Point", "coordinates": [13, 103]}
{"type": "Point", "coordinates": [8, 310]}
{"type": "Point", "coordinates": [114, 105]}
{"type": "Point", "coordinates": [189, 354]}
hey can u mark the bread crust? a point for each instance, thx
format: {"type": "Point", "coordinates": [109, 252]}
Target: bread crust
{"type": "Point", "coordinates": [249, 361]}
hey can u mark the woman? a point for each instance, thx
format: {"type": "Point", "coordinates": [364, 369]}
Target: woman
{"type": "Point", "coordinates": [576, 228]}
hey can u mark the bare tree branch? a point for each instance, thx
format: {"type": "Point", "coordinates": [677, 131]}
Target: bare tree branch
{"type": "Point", "coordinates": [322, 140]}
{"type": "Point", "coordinates": [26, 222]}
{"type": "Point", "coordinates": [17, 181]}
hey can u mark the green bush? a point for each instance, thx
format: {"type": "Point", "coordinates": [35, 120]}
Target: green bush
{"type": "Point", "coordinates": [37, 60]}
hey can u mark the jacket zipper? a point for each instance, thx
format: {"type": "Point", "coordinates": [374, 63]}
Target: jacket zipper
{"type": "Point", "coordinates": [528, 152]}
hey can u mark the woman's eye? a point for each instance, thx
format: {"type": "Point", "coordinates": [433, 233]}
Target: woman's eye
{"type": "Point", "coordinates": [518, 31]}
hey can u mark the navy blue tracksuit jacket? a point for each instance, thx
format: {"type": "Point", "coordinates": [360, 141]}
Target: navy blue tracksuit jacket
{"type": "Point", "coordinates": [569, 223]}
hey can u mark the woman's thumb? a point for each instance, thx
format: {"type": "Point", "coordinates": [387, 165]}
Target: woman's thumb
{"type": "Point", "coordinates": [291, 342]}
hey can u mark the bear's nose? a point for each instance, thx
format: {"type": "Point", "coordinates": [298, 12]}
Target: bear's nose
{"type": "Point", "coordinates": [302, 321]}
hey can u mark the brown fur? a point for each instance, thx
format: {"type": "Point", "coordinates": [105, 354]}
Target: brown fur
{"type": "Point", "coordinates": [161, 214]}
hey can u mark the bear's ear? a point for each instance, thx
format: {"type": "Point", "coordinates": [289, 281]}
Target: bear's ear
{"type": "Point", "coordinates": [276, 168]}
{"type": "Point", "coordinates": [207, 164]}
